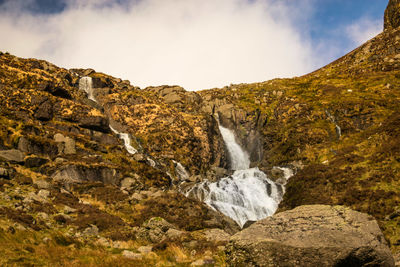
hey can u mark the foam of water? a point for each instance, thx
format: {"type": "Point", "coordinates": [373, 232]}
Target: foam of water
{"type": "Point", "coordinates": [246, 195]}
{"type": "Point", "coordinates": [86, 84]}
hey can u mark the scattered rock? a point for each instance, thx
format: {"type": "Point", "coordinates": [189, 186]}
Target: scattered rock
{"type": "Point", "coordinates": [103, 242]}
{"type": "Point", "coordinates": [154, 230]}
{"type": "Point", "coordinates": [62, 218]}
{"type": "Point", "coordinates": [128, 182]}
{"type": "Point", "coordinates": [316, 235]}
{"type": "Point", "coordinates": [145, 249]}
{"type": "Point", "coordinates": [32, 162]}
{"type": "Point", "coordinates": [4, 173]}
{"type": "Point", "coordinates": [69, 210]}
{"type": "Point", "coordinates": [217, 236]}
{"type": "Point", "coordinates": [175, 234]}
{"type": "Point", "coordinates": [80, 173]}
{"type": "Point", "coordinates": [12, 155]}
{"type": "Point", "coordinates": [43, 216]}
{"type": "Point", "coordinates": [43, 193]}
{"type": "Point", "coordinates": [69, 144]}
{"type": "Point", "coordinates": [42, 184]}
{"type": "Point", "coordinates": [131, 255]}
{"type": "Point", "coordinates": [91, 231]}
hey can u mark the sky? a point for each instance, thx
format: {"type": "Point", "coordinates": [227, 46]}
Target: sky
{"type": "Point", "coordinates": [198, 44]}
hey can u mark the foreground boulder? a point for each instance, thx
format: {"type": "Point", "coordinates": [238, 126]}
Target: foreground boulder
{"type": "Point", "coordinates": [315, 235]}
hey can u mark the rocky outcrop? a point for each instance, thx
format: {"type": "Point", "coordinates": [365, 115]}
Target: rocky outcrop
{"type": "Point", "coordinates": [80, 173]}
{"type": "Point", "coordinates": [392, 15]}
{"type": "Point", "coordinates": [318, 235]}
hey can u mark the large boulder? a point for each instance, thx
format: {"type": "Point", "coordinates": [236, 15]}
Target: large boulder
{"type": "Point", "coordinates": [12, 155]}
{"type": "Point", "coordinates": [392, 15]}
{"type": "Point", "coordinates": [315, 235]}
{"type": "Point", "coordinates": [81, 173]}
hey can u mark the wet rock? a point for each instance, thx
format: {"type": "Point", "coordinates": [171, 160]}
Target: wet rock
{"type": "Point", "coordinates": [12, 155]}
{"type": "Point", "coordinates": [317, 235]}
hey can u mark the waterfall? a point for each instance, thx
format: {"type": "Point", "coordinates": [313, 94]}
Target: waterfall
{"type": "Point", "coordinates": [181, 171]}
{"type": "Point", "coordinates": [247, 195]}
{"type": "Point", "coordinates": [239, 159]}
{"type": "Point", "coordinates": [86, 84]}
{"type": "Point", "coordinates": [127, 141]}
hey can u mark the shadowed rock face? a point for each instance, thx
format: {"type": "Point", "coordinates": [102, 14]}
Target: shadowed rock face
{"type": "Point", "coordinates": [318, 235]}
{"type": "Point", "coordinates": [392, 15]}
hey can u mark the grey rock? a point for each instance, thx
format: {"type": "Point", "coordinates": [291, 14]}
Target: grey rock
{"type": "Point", "coordinates": [128, 182]}
{"type": "Point", "coordinates": [131, 255]}
{"type": "Point", "coordinates": [80, 173]}
{"type": "Point", "coordinates": [68, 146]}
{"type": "Point", "coordinates": [69, 210]}
{"type": "Point", "coordinates": [12, 155]}
{"type": "Point", "coordinates": [217, 236]}
{"type": "Point", "coordinates": [175, 234]}
{"type": "Point", "coordinates": [43, 216]}
{"type": "Point", "coordinates": [316, 235]}
{"type": "Point", "coordinates": [43, 193]}
{"type": "Point", "coordinates": [91, 231]}
{"type": "Point", "coordinates": [145, 249]}
{"type": "Point", "coordinates": [42, 184]}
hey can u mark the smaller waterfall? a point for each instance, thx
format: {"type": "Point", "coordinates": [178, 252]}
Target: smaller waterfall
{"type": "Point", "coordinates": [86, 84]}
{"type": "Point", "coordinates": [127, 141]}
{"type": "Point", "coordinates": [181, 171]}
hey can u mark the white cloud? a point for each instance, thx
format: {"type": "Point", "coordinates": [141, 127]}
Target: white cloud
{"type": "Point", "coordinates": [194, 43]}
{"type": "Point", "coordinates": [363, 30]}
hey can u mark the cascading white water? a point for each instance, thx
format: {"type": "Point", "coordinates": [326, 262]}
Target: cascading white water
{"type": "Point", "coordinates": [127, 141]}
{"type": "Point", "coordinates": [86, 84]}
{"type": "Point", "coordinates": [246, 195]}
{"type": "Point", "coordinates": [239, 159]}
{"type": "Point", "coordinates": [181, 171]}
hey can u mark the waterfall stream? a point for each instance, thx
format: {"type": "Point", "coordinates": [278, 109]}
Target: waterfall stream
{"type": "Point", "coordinates": [247, 195]}
{"type": "Point", "coordinates": [86, 84]}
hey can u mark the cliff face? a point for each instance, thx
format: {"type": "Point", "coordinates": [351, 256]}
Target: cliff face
{"type": "Point", "coordinates": [392, 15]}
{"type": "Point", "coordinates": [337, 127]}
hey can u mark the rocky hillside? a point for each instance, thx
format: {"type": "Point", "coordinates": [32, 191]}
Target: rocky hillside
{"type": "Point", "coordinates": [71, 193]}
